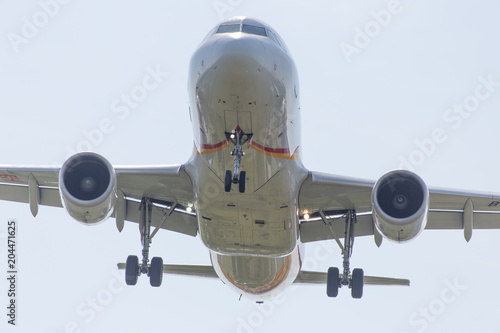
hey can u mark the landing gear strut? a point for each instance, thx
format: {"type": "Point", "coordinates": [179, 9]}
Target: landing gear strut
{"type": "Point", "coordinates": [238, 138]}
{"type": "Point", "coordinates": [334, 279]}
{"type": "Point", "coordinates": [132, 267]}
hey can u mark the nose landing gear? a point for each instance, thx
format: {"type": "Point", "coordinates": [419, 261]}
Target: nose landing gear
{"type": "Point", "coordinates": [238, 139]}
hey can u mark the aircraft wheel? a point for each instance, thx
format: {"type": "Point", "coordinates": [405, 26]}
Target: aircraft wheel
{"type": "Point", "coordinates": [357, 283]}
{"type": "Point", "coordinates": [228, 180]}
{"type": "Point", "coordinates": [242, 181]}
{"type": "Point", "coordinates": [332, 282]}
{"type": "Point", "coordinates": [156, 272]}
{"type": "Point", "coordinates": [132, 270]}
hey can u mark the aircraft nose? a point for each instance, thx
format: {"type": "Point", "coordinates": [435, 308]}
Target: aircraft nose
{"type": "Point", "coordinates": [239, 54]}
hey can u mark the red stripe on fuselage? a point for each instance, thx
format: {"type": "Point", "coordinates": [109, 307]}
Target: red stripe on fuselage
{"type": "Point", "coordinates": [268, 149]}
{"type": "Point", "coordinates": [209, 149]}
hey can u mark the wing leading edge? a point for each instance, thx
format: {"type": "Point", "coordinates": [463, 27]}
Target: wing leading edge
{"type": "Point", "coordinates": [331, 195]}
{"type": "Point", "coordinates": [320, 193]}
{"type": "Point", "coordinates": [164, 185]}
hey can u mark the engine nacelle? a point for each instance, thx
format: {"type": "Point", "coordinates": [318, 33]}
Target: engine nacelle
{"type": "Point", "coordinates": [87, 184]}
{"type": "Point", "coordinates": [400, 203]}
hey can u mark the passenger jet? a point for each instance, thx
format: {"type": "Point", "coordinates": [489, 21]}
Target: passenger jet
{"type": "Point", "coordinates": [244, 190]}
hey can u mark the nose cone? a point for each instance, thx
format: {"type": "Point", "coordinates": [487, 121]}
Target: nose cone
{"type": "Point", "coordinates": [239, 54]}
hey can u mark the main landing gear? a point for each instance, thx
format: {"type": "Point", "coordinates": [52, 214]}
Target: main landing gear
{"type": "Point", "coordinates": [238, 138]}
{"type": "Point", "coordinates": [133, 269]}
{"type": "Point", "coordinates": [335, 280]}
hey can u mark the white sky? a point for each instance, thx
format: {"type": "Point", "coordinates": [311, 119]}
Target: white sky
{"type": "Point", "coordinates": [359, 118]}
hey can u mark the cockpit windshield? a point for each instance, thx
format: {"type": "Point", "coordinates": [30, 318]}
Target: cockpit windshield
{"type": "Point", "coordinates": [254, 30]}
{"type": "Point", "coordinates": [246, 28]}
{"type": "Point", "coordinates": [228, 28]}
{"type": "Point", "coordinates": [249, 29]}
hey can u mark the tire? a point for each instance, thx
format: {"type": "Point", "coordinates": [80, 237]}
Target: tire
{"type": "Point", "coordinates": [132, 270]}
{"type": "Point", "coordinates": [357, 283]}
{"type": "Point", "coordinates": [332, 282]}
{"type": "Point", "coordinates": [228, 180]}
{"type": "Point", "coordinates": [156, 272]}
{"type": "Point", "coordinates": [242, 181]}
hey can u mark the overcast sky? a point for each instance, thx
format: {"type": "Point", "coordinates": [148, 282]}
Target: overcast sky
{"type": "Point", "coordinates": [384, 84]}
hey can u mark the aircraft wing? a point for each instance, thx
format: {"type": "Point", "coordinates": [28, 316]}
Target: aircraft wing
{"type": "Point", "coordinates": [165, 185]}
{"type": "Point", "coordinates": [332, 195]}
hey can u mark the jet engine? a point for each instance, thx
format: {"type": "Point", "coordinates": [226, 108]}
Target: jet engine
{"type": "Point", "coordinates": [400, 203]}
{"type": "Point", "coordinates": [87, 184]}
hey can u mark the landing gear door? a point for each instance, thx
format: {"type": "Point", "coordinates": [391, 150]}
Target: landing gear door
{"type": "Point", "coordinates": [234, 119]}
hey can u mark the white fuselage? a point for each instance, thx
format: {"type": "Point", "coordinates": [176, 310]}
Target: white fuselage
{"type": "Point", "coordinates": [246, 81]}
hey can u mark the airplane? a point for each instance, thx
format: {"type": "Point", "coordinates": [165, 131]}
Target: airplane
{"type": "Point", "coordinates": [245, 190]}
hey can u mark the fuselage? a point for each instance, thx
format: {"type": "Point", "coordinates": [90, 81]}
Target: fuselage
{"type": "Point", "coordinates": [242, 78]}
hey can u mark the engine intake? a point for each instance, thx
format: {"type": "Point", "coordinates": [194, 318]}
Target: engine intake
{"type": "Point", "coordinates": [400, 203]}
{"type": "Point", "coordinates": [87, 184]}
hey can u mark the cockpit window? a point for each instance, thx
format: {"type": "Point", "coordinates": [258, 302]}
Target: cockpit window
{"type": "Point", "coordinates": [273, 37]}
{"type": "Point", "coordinates": [246, 28]}
{"type": "Point", "coordinates": [228, 28]}
{"type": "Point", "coordinates": [250, 29]}
{"type": "Point", "coordinates": [254, 30]}
{"type": "Point", "coordinates": [276, 38]}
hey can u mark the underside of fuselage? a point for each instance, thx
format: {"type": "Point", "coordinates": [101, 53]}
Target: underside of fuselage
{"type": "Point", "coordinates": [259, 278]}
{"type": "Point", "coordinates": [246, 83]}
